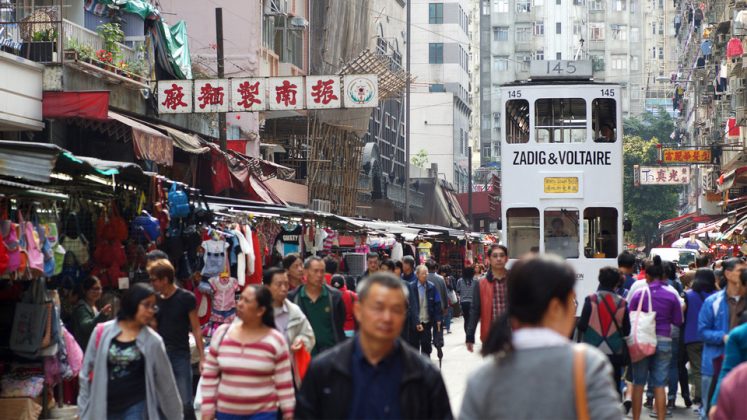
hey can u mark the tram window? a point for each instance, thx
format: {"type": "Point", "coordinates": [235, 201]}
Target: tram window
{"type": "Point", "coordinates": [603, 116]}
{"type": "Point", "coordinates": [560, 120]}
{"type": "Point", "coordinates": [600, 232]}
{"type": "Point", "coordinates": [523, 231]}
{"type": "Point", "coordinates": [561, 232]}
{"type": "Point", "coordinates": [517, 121]}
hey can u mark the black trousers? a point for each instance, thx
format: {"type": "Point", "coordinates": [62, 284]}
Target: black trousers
{"type": "Point", "coordinates": [466, 306]}
{"type": "Point", "coordinates": [421, 340]}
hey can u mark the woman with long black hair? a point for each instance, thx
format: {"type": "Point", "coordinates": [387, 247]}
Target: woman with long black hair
{"type": "Point", "coordinates": [247, 373]}
{"type": "Point", "coordinates": [126, 373]}
{"type": "Point", "coordinates": [535, 371]}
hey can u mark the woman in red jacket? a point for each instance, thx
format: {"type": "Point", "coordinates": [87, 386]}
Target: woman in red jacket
{"type": "Point", "coordinates": [348, 298]}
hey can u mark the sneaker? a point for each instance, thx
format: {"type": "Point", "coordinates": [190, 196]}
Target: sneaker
{"type": "Point", "coordinates": [653, 414]}
{"type": "Point", "coordinates": [649, 403]}
{"type": "Point", "coordinates": [688, 402]}
{"type": "Point", "coordinates": [697, 408]}
{"type": "Point", "coordinates": [670, 404]}
{"type": "Point", "coordinates": [627, 405]}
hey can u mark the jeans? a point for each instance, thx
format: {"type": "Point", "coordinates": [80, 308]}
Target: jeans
{"type": "Point", "coordinates": [133, 412]}
{"type": "Point", "coordinates": [182, 367]}
{"type": "Point", "coordinates": [266, 415]}
{"type": "Point", "coordinates": [705, 387]}
{"type": "Point", "coordinates": [655, 368]}
{"type": "Point", "coordinates": [695, 354]}
{"type": "Point", "coordinates": [466, 306]}
{"type": "Point", "coordinates": [447, 318]}
{"type": "Point", "coordinates": [674, 369]}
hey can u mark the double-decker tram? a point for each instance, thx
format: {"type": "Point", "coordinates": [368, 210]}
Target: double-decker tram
{"type": "Point", "coordinates": [561, 168]}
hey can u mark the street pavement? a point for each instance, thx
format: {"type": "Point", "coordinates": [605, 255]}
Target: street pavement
{"type": "Point", "coordinates": [458, 364]}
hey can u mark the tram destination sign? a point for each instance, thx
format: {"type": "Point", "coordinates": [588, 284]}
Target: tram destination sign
{"type": "Point", "coordinates": [560, 69]}
{"type": "Point", "coordinates": [561, 185]}
{"type": "Point", "coordinates": [664, 175]}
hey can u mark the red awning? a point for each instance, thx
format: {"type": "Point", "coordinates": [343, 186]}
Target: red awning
{"type": "Point", "coordinates": [90, 105]}
{"type": "Point", "coordinates": [737, 177]}
{"type": "Point", "coordinates": [677, 219]}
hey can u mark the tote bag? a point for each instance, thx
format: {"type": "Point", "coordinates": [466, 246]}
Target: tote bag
{"type": "Point", "coordinates": [642, 338]}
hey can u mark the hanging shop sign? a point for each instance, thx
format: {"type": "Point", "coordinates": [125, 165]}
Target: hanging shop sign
{"type": "Point", "coordinates": [267, 93]}
{"type": "Point", "coordinates": [664, 175]}
{"type": "Point", "coordinates": [687, 156]}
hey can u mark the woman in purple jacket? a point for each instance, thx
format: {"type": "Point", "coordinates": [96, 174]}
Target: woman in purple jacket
{"type": "Point", "coordinates": [704, 284]}
{"type": "Point", "coordinates": [668, 310]}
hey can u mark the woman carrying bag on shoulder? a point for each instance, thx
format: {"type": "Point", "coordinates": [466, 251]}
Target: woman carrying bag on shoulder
{"type": "Point", "coordinates": [576, 380]}
{"type": "Point", "coordinates": [126, 373]}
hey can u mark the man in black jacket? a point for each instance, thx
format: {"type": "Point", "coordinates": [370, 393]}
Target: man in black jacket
{"type": "Point", "coordinates": [374, 375]}
{"type": "Point", "coordinates": [322, 305]}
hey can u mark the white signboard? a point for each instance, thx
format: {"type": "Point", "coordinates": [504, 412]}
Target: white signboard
{"type": "Point", "coordinates": [360, 90]}
{"type": "Point", "coordinates": [286, 92]}
{"type": "Point", "coordinates": [174, 96]}
{"type": "Point", "coordinates": [211, 95]}
{"type": "Point", "coordinates": [248, 94]}
{"type": "Point", "coordinates": [664, 175]}
{"type": "Point", "coordinates": [322, 92]}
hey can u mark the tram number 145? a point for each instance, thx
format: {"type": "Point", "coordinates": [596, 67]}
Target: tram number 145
{"type": "Point", "coordinates": [608, 92]}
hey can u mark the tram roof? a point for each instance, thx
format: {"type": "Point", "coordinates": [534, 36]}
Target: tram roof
{"type": "Point", "coordinates": [556, 82]}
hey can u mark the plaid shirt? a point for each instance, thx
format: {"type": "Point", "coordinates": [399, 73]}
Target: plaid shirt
{"type": "Point", "coordinates": [499, 295]}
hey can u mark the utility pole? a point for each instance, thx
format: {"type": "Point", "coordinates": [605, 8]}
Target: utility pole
{"type": "Point", "coordinates": [407, 114]}
{"type": "Point", "coordinates": [221, 74]}
{"type": "Point", "coordinates": [469, 188]}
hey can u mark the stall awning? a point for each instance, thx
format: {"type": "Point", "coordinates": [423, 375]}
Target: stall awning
{"type": "Point", "coordinates": [709, 227]}
{"type": "Point", "coordinates": [189, 143]}
{"type": "Point", "coordinates": [733, 178]}
{"type": "Point", "coordinates": [149, 143]}
{"type": "Point", "coordinates": [91, 105]}
{"type": "Point", "coordinates": [30, 161]}
{"type": "Point", "coordinates": [736, 228]}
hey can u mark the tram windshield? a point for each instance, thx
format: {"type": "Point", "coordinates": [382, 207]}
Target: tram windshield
{"type": "Point", "coordinates": [560, 120]}
{"type": "Point", "coordinates": [600, 232]}
{"type": "Point", "coordinates": [523, 231]}
{"type": "Point", "coordinates": [561, 232]}
{"type": "Point", "coordinates": [603, 120]}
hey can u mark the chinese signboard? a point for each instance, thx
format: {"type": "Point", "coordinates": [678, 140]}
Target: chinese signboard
{"type": "Point", "coordinates": [263, 93]}
{"type": "Point", "coordinates": [686, 156]}
{"type": "Point", "coordinates": [664, 175]}
{"type": "Point", "coordinates": [561, 185]}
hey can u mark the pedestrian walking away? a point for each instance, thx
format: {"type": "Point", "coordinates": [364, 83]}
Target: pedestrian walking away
{"type": "Point", "coordinates": [542, 307]}
{"type": "Point", "coordinates": [704, 285]}
{"type": "Point", "coordinates": [125, 354]}
{"type": "Point", "coordinates": [464, 292]}
{"type": "Point", "coordinates": [247, 372]}
{"type": "Point", "coordinates": [374, 375]}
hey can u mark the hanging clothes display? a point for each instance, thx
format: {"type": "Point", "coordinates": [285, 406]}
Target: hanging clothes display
{"type": "Point", "coordinates": [224, 298]}
{"type": "Point", "coordinates": [289, 239]}
{"type": "Point", "coordinates": [734, 48]}
{"type": "Point", "coordinates": [256, 276]}
{"type": "Point", "coordinates": [215, 256]}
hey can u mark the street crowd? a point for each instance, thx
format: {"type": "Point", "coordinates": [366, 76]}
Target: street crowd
{"type": "Point", "coordinates": [305, 346]}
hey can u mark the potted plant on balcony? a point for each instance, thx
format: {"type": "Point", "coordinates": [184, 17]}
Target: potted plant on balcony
{"type": "Point", "coordinates": [113, 36]}
{"type": "Point", "coordinates": [42, 46]}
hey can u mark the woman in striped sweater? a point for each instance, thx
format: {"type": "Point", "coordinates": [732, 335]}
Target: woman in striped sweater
{"type": "Point", "coordinates": [247, 372]}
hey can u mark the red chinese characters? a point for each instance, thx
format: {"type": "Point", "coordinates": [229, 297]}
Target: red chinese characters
{"type": "Point", "coordinates": [174, 98]}
{"type": "Point", "coordinates": [322, 91]}
{"type": "Point", "coordinates": [210, 95]}
{"type": "Point", "coordinates": [249, 93]}
{"type": "Point", "coordinates": [286, 93]}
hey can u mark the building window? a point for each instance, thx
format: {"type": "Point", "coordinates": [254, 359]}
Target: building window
{"type": "Point", "coordinates": [437, 87]}
{"type": "Point", "coordinates": [486, 151]}
{"type": "Point", "coordinates": [436, 53]}
{"type": "Point", "coordinates": [523, 58]}
{"type": "Point", "coordinates": [558, 2]}
{"type": "Point", "coordinates": [597, 31]}
{"type": "Point", "coordinates": [597, 63]}
{"type": "Point", "coordinates": [619, 62]}
{"type": "Point", "coordinates": [635, 62]}
{"type": "Point", "coordinates": [661, 53]}
{"type": "Point", "coordinates": [635, 34]}
{"type": "Point", "coordinates": [620, 5]}
{"type": "Point", "coordinates": [661, 28]}
{"type": "Point", "coordinates": [653, 52]}
{"type": "Point", "coordinates": [436, 13]}
{"type": "Point", "coordinates": [539, 2]}
{"type": "Point", "coordinates": [500, 33]}
{"type": "Point", "coordinates": [500, 64]}
{"type": "Point", "coordinates": [596, 5]}
{"type": "Point", "coordinates": [539, 55]}
{"type": "Point", "coordinates": [558, 56]}
{"type": "Point", "coordinates": [486, 7]}
{"type": "Point", "coordinates": [576, 28]}
{"type": "Point", "coordinates": [558, 27]}
{"type": "Point", "coordinates": [619, 32]}
{"type": "Point", "coordinates": [500, 6]}
{"type": "Point", "coordinates": [633, 6]}
{"type": "Point", "coordinates": [523, 33]}
{"type": "Point", "coordinates": [539, 28]}
{"type": "Point", "coordinates": [523, 6]}
{"type": "Point", "coordinates": [661, 4]}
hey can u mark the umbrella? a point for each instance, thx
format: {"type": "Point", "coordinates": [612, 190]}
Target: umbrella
{"type": "Point", "coordinates": [438, 342]}
{"type": "Point", "coordinates": [689, 243]}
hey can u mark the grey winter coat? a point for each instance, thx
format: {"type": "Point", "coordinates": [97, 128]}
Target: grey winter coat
{"type": "Point", "coordinates": [161, 395]}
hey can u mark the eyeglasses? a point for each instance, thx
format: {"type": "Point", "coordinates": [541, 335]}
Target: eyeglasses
{"type": "Point", "coordinates": [575, 302]}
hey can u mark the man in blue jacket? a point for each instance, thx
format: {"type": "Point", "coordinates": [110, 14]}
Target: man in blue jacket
{"type": "Point", "coordinates": [717, 317]}
{"type": "Point", "coordinates": [425, 311]}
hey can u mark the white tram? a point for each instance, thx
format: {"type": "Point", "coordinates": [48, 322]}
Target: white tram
{"type": "Point", "coordinates": [562, 168]}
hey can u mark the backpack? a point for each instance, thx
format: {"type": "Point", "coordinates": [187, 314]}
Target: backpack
{"type": "Point", "coordinates": [178, 202]}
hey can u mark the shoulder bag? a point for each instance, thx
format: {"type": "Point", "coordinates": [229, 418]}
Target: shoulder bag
{"type": "Point", "coordinates": [642, 338]}
{"type": "Point", "coordinates": [579, 383]}
{"type": "Point", "coordinates": [625, 354]}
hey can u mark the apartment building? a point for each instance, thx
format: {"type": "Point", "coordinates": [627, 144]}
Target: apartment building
{"type": "Point", "coordinates": [514, 33]}
{"type": "Point", "coordinates": [440, 109]}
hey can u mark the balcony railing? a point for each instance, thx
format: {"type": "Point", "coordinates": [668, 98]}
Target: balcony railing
{"type": "Point", "coordinates": [75, 34]}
